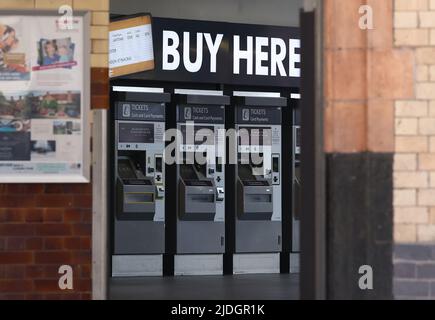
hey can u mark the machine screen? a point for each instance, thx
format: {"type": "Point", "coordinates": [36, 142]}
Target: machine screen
{"type": "Point", "coordinates": [130, 132]}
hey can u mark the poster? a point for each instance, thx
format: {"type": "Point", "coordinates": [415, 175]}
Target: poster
{"type": "Point", "coordinates": [43, 99]}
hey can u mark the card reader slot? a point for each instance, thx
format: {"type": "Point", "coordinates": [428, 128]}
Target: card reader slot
{"type": "Point", "coordinates": [159, 164]}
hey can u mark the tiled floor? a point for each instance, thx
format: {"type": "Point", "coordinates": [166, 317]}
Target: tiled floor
{"type": "Point", "coordinates": [237, 287]}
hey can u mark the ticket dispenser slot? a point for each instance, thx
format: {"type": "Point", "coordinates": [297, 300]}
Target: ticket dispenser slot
{"type": "Point", "coordinates": [256, 225]}
{"type": "Point", "coordinates": [200, 213]}
{"type": "Point", "coordinates": [138, 183]}
{"type": "Point", "coordinates": [197, 194]}
{"type": "Point", "coordinates": [256, 201]}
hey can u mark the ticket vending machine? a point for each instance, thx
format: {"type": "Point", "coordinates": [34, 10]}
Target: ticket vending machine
{"type": "Point", "coordinates": [256, 213]}
{"type": "Point", "coordinates": [200, 183]}
{"type": "Point", "coordinates": [139, 184]}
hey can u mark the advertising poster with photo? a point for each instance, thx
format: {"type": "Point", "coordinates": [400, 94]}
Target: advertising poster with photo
{"type": "Point", "coordinates": [42, 99]}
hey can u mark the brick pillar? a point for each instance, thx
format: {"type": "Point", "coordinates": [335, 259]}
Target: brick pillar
{"type": "Point", "coordinates": [363, 76]}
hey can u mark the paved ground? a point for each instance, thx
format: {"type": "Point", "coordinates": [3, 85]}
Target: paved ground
{"type": "Point", "coordinates": [237, 287]}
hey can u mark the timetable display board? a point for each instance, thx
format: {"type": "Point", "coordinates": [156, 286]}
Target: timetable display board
{"type": "Point", "coordinates": [130, 46]}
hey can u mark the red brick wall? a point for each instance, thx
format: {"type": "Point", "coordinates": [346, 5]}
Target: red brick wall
{"type": "Point", "coordinates": [43, 226]}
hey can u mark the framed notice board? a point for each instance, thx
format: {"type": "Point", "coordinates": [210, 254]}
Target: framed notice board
{"type": "Point", "coordinates": [44, 97]}
{"type": "Point", "coordinates": [130, 46]}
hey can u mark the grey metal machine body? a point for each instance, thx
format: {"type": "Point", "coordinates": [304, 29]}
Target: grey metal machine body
{"type": "Point", "coordinates": [139, 220]}
{"type": "Point", "coordinates": [258, 203]}
{"type": "Point", "coordinates": [200, 222]}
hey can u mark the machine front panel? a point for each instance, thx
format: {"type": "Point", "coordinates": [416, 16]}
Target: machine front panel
{"type": "Point", "coordinates": [258, 179]}
{"type": "Point", "coordinates": [139, 219]}
{"type": "Point", "coordinates": [201, 179]}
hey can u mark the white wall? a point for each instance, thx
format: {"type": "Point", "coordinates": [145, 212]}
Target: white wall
{"type": "Point", "coordinates": [271, 12]}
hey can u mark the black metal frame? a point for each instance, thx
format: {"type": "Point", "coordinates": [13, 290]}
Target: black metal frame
{"type": "Point", "coordinates": [313, 220]}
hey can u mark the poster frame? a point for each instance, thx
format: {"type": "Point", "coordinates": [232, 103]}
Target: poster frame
{"type": "Point", "coordinates": [84, 176]}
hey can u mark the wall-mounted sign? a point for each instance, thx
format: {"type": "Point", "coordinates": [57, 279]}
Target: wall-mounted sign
{"type": "Point", "coordinates": [130, 46]}
{"type": "Point", "coordinates": [230, 53]}
{"type": "Point", "coordinates": [44, 98]}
